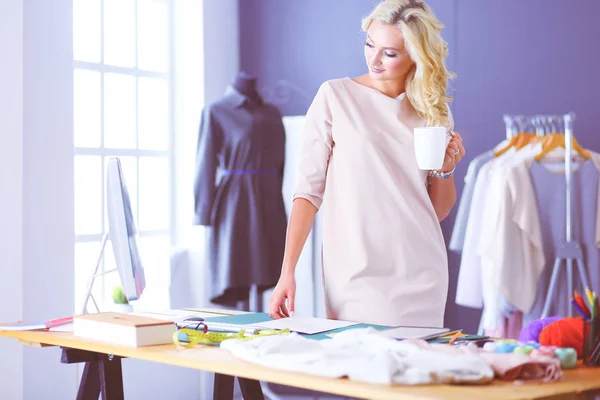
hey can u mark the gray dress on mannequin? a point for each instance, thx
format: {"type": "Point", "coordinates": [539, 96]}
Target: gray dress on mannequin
{"type": "Point", "coordinates": [239, 177]}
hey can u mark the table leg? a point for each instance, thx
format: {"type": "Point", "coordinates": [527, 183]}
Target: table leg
{"type": "Point", "coordinates": [111, 377]}
{"type": "Point", "coordinates": [223, 387]}
{"type": "Point", "coordinates": [102, 374]}
{"type": "Point", "coordinates": [251, 389]}
{"type": "Point", "coordinates": [89, 387]}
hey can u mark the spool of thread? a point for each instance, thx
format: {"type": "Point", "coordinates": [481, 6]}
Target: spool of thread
{"type": "Point", "coordinates": [523, 350]}
{"type": "Point", "coordinates": [502, 341]}
{"type": "Point", "coordinates": [567, 357]}
{"type": "Point", "coordinates": [547, 351]}
{"type": "Point", "coordinates": [506, 347]}
{"type": "Point", "coordinates": [537, 353]}
{"type": "Point", "coordinates": [535, 345]}
{"type": "Point", "coordinates": [490, 347]}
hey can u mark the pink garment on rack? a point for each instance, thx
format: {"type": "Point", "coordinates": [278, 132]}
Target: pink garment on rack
{"type": "Point", "coordinates": [508, 327]}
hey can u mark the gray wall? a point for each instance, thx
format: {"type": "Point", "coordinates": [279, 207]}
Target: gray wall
{"type": "Point", "coordinates": [511, 56]}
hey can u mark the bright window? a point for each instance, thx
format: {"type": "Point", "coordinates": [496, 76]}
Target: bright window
{"type": "Point", "coordinates": [123, 90]}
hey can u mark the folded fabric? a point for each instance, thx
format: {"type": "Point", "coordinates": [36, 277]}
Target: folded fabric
{"type": "Point", "coordinates": [508, 366]}
{"type": "Point", "coordinates": [363, 355]}
{"type": "Point", "coordinates": [522, 367]}
{"type": "Point", "coordinates": [531, 333]}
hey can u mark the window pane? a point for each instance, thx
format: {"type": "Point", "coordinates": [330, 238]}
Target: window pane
{"type": "Point", "coordinates": [86, 30]}
{"type": "Point", "coordinates": [86, 256]}
{"type": "Point", "coordinates": [112, 279]}
{"type": "Point", "coordinates": [154, 193]}
{"type": "Point", "coordinates": [88, 195]}
{"type": "Point", "coordinates": [119, 33]}
{"type": "Point", "coordinates": [155, 253]}
{"type": "Point", "coordinates": [153, 17]}
{"type": "Point", "coordinates": [119, 111]}
{"type": "Point", "coordinates": [153, 114]}
{"type": "Point", "coordinates": [86, 104]}
{"type": "Point", "coordinates": [129, 166]}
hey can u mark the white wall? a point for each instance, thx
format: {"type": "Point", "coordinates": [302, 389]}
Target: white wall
{"type": "Point", "coordinates": [36, 157]}
{"type": "Point", "coordinates": [11, 192]}
{"type": "Point", "coordinates": [48, 259]}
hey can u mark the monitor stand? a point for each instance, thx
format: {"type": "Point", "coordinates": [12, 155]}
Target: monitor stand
{"type": "Point", "coordinates": [89, 296]}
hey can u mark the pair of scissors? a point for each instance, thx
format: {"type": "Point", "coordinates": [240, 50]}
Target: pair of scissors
{"type": "Point", "coordinates": [192, 323]}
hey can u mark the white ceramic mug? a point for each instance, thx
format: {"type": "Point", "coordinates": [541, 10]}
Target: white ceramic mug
{"type": "Point", "coordinates": [430, 146]}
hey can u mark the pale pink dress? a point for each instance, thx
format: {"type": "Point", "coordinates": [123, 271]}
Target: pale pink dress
{"type": "Point", "coordinates": [384, 256]}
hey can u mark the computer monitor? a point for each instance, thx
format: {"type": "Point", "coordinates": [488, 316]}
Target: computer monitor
{"type": "Point", "coordinates": [122, 233]}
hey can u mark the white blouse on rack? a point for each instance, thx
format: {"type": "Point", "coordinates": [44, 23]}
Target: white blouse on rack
{"type": "Point", "coordinates": [503, 255]}
{"type": "Point", "coordinates": [512, 251]}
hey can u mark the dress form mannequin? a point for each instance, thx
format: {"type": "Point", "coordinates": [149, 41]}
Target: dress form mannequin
{"type": "Point", "coordinates": [246, 85]}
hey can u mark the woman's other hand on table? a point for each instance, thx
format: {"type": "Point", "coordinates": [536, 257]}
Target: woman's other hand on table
{"type": "Point", "coordinates": [285, 290]}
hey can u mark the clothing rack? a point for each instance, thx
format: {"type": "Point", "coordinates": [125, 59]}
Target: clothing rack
{"type": "Point", "coordinates": [571, 250]}
{"type": "Point", "coordinates": [541, 124]}
{"type": "Point", "coordinates": [511, 129]}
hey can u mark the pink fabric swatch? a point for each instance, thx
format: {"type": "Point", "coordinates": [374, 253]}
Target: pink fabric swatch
{"type": "Point", "coordinates": [508, 366]}
{"type": "Point", "coordinates": [511, 366]}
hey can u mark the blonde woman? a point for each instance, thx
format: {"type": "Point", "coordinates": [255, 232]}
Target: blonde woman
{"type": "Point", "coordinates": [384, 256]}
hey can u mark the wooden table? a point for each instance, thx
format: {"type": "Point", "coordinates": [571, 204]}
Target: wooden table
{"type": "Point", "coordinates": [103, 374]}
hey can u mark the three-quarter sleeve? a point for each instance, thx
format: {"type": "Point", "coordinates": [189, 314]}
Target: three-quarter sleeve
{"type": "Point", "coordinates": [315, 152]}
{"type": "Point", "coordinates": [206, 167]}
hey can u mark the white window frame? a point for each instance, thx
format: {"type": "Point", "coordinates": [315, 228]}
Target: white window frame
{"type": "Point", "coordinates": [104, 152]}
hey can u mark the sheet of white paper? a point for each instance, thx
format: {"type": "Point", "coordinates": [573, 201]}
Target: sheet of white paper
{"type": "Point", "coordinates": [174, 315]}
{"type": "Point", "coordinates": [306, 325]}
{"type": "Point", "coordinates": [217, 312]}
{"type": "Point", "coordinates": [24, 326]}
{"type": "Point", "coordinates": [413, 332]}
{"type": "Point", "coordinates": [62, 328]}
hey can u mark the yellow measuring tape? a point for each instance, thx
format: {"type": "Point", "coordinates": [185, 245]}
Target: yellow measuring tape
{"type": "Point", "coordinates": [199, 337]}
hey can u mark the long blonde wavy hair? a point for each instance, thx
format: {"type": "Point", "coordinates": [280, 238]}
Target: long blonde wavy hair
{"type": "Point", "coordinates": [427, 80]}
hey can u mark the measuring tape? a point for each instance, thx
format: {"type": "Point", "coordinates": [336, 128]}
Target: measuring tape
{"type": "Point", "coordinates": [199, 337]}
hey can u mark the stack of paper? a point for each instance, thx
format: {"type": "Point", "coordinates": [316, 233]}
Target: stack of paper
{"type": "Point", "coordinates": [306, 325]}
{"type": "Point", "coordinates": [37, 325]}
{"type": "Point", "coordinates": [24, 326]}
{"type": "Point", "coordinates": [413, 332]}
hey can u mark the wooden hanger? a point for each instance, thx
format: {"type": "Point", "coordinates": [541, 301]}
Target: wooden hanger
{"type": "Point", "coordinates": [518, 141]}
{"type": "Point", "coordinates": [554, 141]}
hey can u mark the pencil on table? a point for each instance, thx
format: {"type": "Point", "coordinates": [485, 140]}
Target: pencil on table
{"type": "Point", "coordinates": [454, 337]}
{"type": "Point", "coordinates": [588, 293]}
